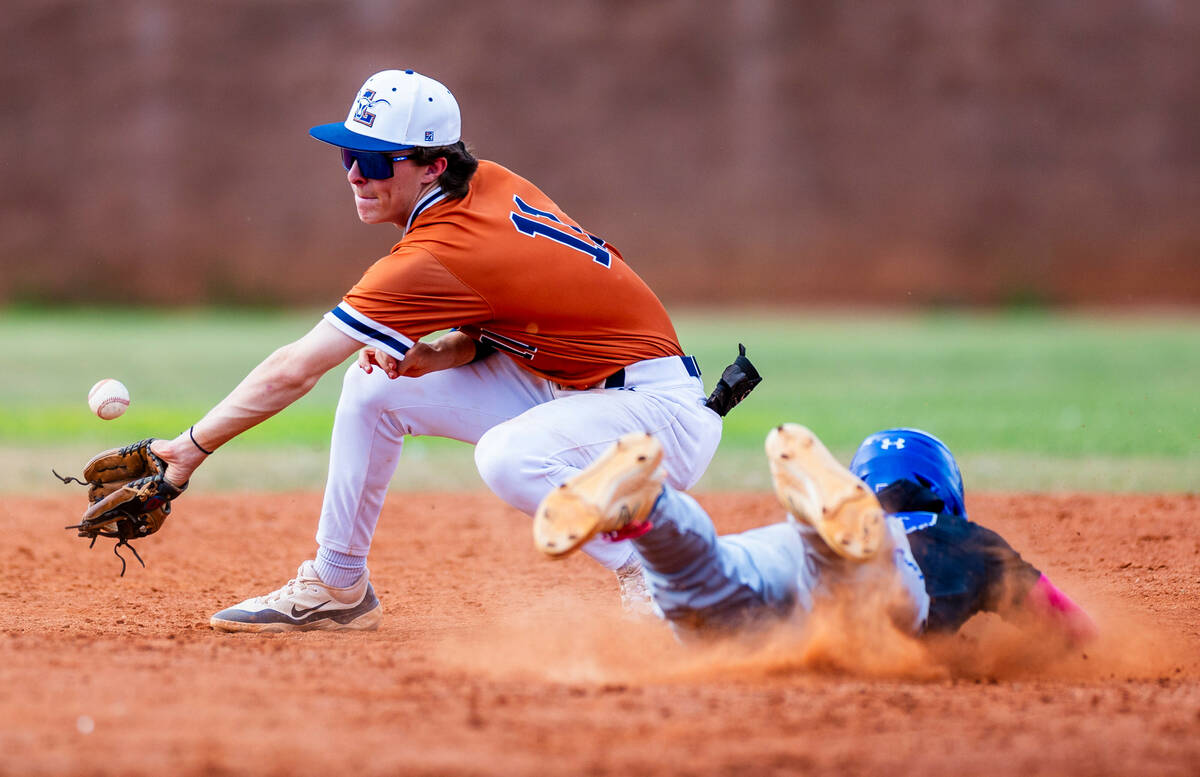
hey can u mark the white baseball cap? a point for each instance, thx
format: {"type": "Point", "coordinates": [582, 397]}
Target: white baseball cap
{"type": "Point", "coordinates": [394, 110]}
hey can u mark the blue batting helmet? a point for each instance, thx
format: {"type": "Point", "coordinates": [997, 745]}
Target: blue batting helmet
{"type": "Point", "coordinates": [910, 454]}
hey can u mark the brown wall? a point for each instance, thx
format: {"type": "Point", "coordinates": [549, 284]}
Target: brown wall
{"type": "Point", "coordinates": [920, 151]}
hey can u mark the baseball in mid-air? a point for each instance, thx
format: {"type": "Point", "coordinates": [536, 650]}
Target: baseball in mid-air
{"type": "Point", "coordinates": [109, 399]}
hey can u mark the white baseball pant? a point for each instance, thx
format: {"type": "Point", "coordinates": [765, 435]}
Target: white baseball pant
{"type": "Point", "coordinates": [530, 435]}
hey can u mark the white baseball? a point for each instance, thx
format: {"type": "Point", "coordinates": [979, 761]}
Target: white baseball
{"type": "Point", "coordinates": [108, 399]}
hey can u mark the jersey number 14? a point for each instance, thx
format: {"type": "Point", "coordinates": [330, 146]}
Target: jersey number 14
{"type": "Point", "coordinates": [566, 234]}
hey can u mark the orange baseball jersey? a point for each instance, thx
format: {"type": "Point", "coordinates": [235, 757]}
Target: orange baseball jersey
{"type": "Point", "coordinates": [508, 268]}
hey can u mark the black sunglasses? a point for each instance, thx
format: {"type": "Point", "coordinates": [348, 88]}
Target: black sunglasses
{"type": "Point", "coordinates": [372, 164]}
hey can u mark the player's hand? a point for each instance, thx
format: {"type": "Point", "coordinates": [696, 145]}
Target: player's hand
{"type": "Point", "coordinates": [370, 358]}
{"type": "Point", "coordinates": [452, 349]}
{"type": "Point", "coordinates": [421, 359]}
{"type": "Point", "coordinates": [424, 358]}
{"type": "Point", "coordinates": [181, 456]}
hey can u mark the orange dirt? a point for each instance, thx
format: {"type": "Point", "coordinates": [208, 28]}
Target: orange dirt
{"type": "Point", "coordinates": [492, 660]}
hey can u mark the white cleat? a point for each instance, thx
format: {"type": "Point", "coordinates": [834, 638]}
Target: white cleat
{"type": "Point", "coordinates": [306, 604]}
{"type": "Point", "coordinates": [816, 489]}
{"type": "Point", "coordinates": [615, 492]}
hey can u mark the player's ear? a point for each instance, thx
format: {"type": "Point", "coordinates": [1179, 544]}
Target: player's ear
{"type": "Point", "coordinates": [434, 170]}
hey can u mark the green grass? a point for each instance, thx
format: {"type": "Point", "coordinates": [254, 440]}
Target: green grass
{"type": "Point", "coordinates": [1033, 401]}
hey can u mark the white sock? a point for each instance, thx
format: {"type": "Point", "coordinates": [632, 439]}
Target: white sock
{"type": "Point", "coordinates": [339, 570]}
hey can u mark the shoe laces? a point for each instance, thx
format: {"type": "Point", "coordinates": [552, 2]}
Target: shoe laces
{"type": "Point", "coordinates": [292, 587]}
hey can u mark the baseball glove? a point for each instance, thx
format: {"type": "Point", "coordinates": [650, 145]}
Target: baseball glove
{"type": "Point", "coordinates": [128, 494]}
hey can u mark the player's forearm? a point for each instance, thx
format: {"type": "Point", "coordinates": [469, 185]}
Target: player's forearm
{"type": "Point", "coordinates": [267, 390]}
{"type": "Point", "coordinates": [281, 379]}
{"type": "Point", "coordinates": [270, 387]}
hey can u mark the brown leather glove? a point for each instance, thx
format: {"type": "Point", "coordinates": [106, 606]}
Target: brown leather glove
{"type": "Point", "coordinates": [128, 494]}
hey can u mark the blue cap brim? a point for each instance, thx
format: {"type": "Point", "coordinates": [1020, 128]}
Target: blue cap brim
{"type": "Point", "coordinates": [336, 134]}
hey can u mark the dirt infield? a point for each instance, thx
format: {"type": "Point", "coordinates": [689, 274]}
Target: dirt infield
{"type": "Point", "coordinates": [492, 660]}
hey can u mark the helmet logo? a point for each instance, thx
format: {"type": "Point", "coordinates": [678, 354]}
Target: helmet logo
{"type": "Point", "coordinates": [887, 443]}
{"type": "Point", "coordinates": [362, 112]}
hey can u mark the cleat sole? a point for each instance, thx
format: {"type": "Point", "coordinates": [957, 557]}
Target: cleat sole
{"type": "Point", "coordinates": [816, 489]}
{"type": "Point", "coordinates": [607, 496]}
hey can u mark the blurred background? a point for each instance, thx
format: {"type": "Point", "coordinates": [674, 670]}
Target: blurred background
{"type": "Point", "coordinates": [916, 152]}
{"type": "Point", "coordinates": [973, 216]}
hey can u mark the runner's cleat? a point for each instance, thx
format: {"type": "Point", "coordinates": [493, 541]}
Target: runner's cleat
{"type": "Point", "coordinates": [817, 490]}
{"type": "Point", "coordinates": [616, 491]}
{"type": "Point", "coordinates": [305, 604]}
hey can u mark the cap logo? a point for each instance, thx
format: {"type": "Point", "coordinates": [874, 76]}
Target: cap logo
{"type": "Point", "coordinates": [362, 111]}
{"type": "Point", "coordinates": [428, 136]}
{"type": "Point", "coordinates": [897, 443]}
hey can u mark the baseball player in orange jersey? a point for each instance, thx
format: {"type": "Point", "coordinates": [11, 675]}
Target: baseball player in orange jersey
{"type": "Point", "coordinates": [557, 348]}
